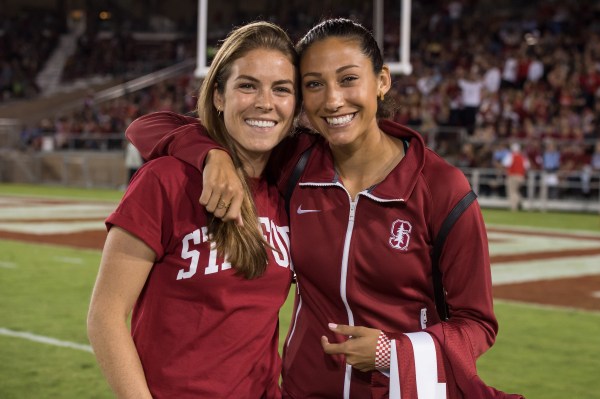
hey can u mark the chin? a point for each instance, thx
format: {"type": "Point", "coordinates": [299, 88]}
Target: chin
{"type": "Point", "coordinates": [338, 138]}
{"type": "Point", "coordinates": [262, 148]}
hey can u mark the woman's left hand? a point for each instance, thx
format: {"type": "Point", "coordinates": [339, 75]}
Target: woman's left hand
{"type": "Point", "coordinates": [359, 350]}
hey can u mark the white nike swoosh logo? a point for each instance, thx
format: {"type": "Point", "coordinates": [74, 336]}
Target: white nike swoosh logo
{"type": "Point", "coordinates": [301, 211]}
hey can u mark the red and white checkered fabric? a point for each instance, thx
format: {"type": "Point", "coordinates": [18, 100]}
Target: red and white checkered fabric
{"type": "Point", "coordinates": [382, 354]}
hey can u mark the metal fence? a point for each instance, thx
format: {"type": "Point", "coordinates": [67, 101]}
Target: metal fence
{"type": "Point", "coordinates": [542, 191]}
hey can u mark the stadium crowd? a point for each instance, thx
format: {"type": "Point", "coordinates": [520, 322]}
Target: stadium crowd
{"type": "Point", "coordinates": [527, 73]}
{"type": "Point", "coordinates": [26, 41]}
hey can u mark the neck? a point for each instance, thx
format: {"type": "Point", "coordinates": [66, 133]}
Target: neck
{"type": "Point", "coordinates": [254, 164]}
{"type": "Point", "coordinates": [363, 166]}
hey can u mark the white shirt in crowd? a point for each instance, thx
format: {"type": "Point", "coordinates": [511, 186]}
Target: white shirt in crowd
{"type": "Point", "coordinates": [471, 92]}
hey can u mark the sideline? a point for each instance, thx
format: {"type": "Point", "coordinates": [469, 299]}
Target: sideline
{"type": "Point", "coordinates": [45, 340]}
{"type": "Point", "coordinates": [547, 307]}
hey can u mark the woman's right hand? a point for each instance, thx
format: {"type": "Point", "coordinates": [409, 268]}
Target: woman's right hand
{"type": "Point", "coordinates": [222, 191]}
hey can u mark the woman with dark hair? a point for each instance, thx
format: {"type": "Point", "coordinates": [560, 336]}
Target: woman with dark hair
{"type": "Point", "coordinates": [364, 215]}
{"type": "Point", "coordinates": [205, 293]}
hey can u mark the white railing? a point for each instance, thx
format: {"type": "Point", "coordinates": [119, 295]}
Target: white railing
{"type": "Point", "coordinates": [567, 191]}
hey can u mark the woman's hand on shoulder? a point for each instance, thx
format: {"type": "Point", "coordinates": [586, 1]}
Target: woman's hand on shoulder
{"type": "Point", "coordinates": [222, 190]}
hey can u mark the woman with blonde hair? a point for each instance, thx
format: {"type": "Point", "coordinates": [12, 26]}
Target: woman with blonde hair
{"type": "Point", "coordinates": [205, 294]}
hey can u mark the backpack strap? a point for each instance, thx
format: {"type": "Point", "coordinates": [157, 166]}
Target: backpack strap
{"type": "Point", "coordinates": [438, 287]}
{"type": "Point", "coordinates": [296, 173]}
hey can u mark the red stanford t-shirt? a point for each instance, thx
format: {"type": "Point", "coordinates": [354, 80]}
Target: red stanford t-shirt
{"type": "Point", "coordinates": [201, 330]}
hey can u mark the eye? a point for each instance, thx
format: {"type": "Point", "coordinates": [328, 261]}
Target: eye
{"type": "Point", "coordinates": [246, 86]}
{"type": "Point", "coordinates": [347, 80]}
{"type": "Point", "coordinates": [283, 90]}
{"type": "Point", "coordinates": [312, 84]}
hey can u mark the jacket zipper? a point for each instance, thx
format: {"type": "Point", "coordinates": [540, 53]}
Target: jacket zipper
{"type": "Point", "coordinates": [343, 280]}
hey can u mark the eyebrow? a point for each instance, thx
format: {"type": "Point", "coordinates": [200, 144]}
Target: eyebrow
{"type": "Point", "coordinates": [253, 79]}
{"type": "Point", "coordinates": [340, 69]}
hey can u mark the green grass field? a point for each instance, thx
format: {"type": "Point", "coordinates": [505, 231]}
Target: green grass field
{"type": "Point", "coordinates": [543, 353]}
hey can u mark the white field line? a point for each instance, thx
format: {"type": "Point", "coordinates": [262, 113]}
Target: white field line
{"type": "Point", "coordinates": [52, 227]}
{"type": "Point", "coordinates": [45, 340]}
{"type": "Point", "coordinates": [507, 244]}
{"type": "Point", "coordinates": [534, 230]}
{"type": "Point", "coordinates": [552, 308]}
{"type": "Point", "coordinates": [545, 269]}
{"type": "Point", "coordinates": [56, 211]}
{"type": "Point", "coordinates": [8, 265]}
{"type": "Point", "coordinates": [66, 259]}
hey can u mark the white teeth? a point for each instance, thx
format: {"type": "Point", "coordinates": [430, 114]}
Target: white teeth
{"type": "Point", "coordinates": [259, 123]}
{"type": "Point", "coordinates": [340, 120]}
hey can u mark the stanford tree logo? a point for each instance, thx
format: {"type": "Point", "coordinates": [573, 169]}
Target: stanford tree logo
{"type": "Point", "coordinates": [400, 234]}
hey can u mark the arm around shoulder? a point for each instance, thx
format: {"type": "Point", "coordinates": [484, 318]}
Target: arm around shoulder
{"type": "Point", "coordinates": [167, 133]}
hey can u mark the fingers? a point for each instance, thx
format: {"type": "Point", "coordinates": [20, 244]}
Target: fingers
{"type": "Point", "coordinates": [205, 196]}
{"type": "Point", "coordinates": [210, 198]}
{"type": "Point", "coordinates": [222, 191]}
{"type": "Point", "coordinates": [349, 331]}
{"type": "Point", "coordinates": [222, 206]}
{"type": "Point", "coordinates": [332, 349]}
{"type": "Point", "coordinates": [234, 211]}
{"type": "Point", "coordinates": [358, 350]}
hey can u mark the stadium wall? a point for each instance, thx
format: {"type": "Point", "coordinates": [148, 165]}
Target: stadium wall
{"type": "Point", "coordinates": [106, 169]}
{"type": "Point", "coordinates": [72, 169]}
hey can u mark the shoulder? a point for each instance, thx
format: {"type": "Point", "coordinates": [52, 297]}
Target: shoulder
{"type": "Point", "coordinates": [169, 168]}
{"type": "Point", "coordinates": [442, 178]}
{"type": "Point", "coordinates": [167, 164]}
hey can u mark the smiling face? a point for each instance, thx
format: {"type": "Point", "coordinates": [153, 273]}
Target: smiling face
{"type": "Point", "coordinates": [340, 90]}
{"type": "Point", "coordinates": [258, 102]}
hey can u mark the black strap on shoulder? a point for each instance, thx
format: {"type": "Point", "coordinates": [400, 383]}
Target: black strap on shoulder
{"type": "Point", "coordinates": [438, 287]}
{"type": "Point", "coordinates": [296, 173]}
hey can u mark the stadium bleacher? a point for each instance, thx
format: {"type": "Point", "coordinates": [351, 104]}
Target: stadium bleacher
{"type": "Point", "coordinates": [485, 74]}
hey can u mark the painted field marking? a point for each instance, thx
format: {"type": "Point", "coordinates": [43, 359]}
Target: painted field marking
{"type": "Point", "coordinates": [545, 269]}
{"type": "Point", "coordinates": [548, 307]}
{"type": "Point", "coordinates": [63, 211]}
{"type": "Point", "coordinates": [66, 259]}
{"type": "Point", "coordinates": [41, 228]}
{"type": "Point", "coordinates": [542, 230]}
{"type": "Point", "coordinates": [45, 340]}
{"type": "Point", "coordinates": [504, 242]}
{"type": "Point", "coordinates": [8, 265]}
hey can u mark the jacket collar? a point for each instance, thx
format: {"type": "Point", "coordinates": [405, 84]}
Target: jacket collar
{"type": "Point", "coordinates": [399, 183]}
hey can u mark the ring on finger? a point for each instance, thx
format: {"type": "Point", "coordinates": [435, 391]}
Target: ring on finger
{"type": "Point", "coordinates": [222, 204]}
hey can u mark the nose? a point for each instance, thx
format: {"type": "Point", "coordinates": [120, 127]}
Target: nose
{"type": "Point", "coordinates": [333, 100]}
{"type": "Point", "coordinates": [264, 100]}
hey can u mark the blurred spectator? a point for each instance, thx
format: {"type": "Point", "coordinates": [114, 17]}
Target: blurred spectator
{"type": "Point", "coordinates": [133, 160]}
{"type": "Point", "coordinates": [516, 165]}
{"type": "Point", "coordinates": [492, 78]}
{"type": "Point", "coordinates": [471, 87]}
{"type": "Point", "coordinates": [551, 166]}
{"type": "Point", "coordinates": [535, 70]}
{"type": "Point", "coordinates": [595, 159]}
{"type": "Point", "coordinates": [497, 184]}
{"type": "Point", "coordinates": [573, 171]}
{"type": "Point", "coordinates": [595, 171]}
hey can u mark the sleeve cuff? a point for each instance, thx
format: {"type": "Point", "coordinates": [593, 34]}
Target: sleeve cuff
{"type": "Point", "coordinates": [382, 354]}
